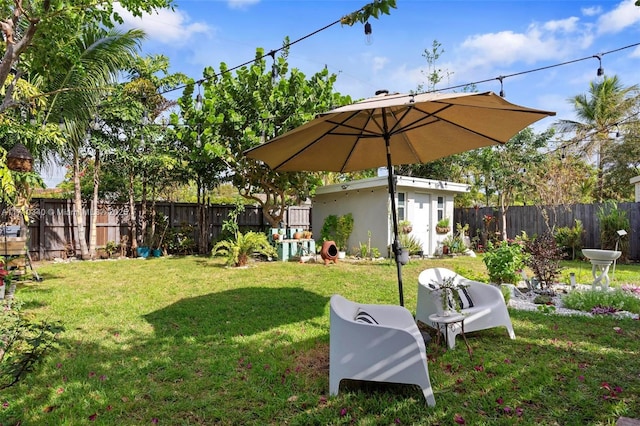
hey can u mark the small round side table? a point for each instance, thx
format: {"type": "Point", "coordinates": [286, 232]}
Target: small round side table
{"type": "Point", "coordinates": [441, 322]}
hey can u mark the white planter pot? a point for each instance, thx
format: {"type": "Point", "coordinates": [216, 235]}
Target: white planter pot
{"type": "Point", "coordinates": [342, 254]}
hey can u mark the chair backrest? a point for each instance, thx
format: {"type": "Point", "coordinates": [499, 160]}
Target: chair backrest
{"type": "Point", "coordinates": [432, 276]}
{"type": "Point", "coordinates": [343, 308]}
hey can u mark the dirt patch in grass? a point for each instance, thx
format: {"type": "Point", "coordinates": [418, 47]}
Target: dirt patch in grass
{"type": "Point", "coordinates": [314, 363]}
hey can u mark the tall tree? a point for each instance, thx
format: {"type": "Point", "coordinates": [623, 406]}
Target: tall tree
{"type": "Point", "coordinates": [37, 34]}
{"type": "Point", "coordinates": [621, 162]}
{"type": "Point", "coordinates": [600, 112]}
{"type": "Point", "coordinates": [502, 169]}
{"type": "Point", "coordinates": [93, 65]}
{"type": "Point", "coordinates": [203, 163]}
{"type": "Point", "coordinates": [255, 104]}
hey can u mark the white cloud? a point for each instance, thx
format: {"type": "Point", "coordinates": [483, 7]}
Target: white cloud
{"type": "Point", "coordinates": [241, 4]}
{"type": "Point", "coordinates": [623, 16]}
{"type": "Point", "coordinates": [553, 40]}
{"type": "Point", "coordinates": [564, 25]}
{"type": "Point", "coordinates": [379, 62]}
{"type": "Point", "coordinates": [591, 11]}
{"type": "Point", "coordinates": [165, 26]}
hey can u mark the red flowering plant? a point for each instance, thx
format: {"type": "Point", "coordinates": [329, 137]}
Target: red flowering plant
{"type": "Point", "coordinates": [3, 274]}
{"type": "Point", "coordinates": [487, 219]}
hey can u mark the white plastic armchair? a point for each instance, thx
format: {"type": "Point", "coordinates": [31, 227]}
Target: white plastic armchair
{"type": "Point", "coordinates": [383, 344]}
{"type": "Point", "coordinates": [489, 308]}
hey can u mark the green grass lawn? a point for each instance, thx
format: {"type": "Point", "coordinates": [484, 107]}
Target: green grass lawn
{"type": "Point", "coordinates": [180, 341]}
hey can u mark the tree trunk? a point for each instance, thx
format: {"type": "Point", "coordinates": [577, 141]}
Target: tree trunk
{"type": "Point", "coordinates": [203, 226]}
{"type": "Point", "coordinates": [93, 228]}
{"type": "Point", "coordinates": [79, 213]}
{"type": "Point", "coordinates": [143, 213]}
{"type": "Point", "coordinates": [503, 218]}
{"type": "Point", "coordinates": [132, 217]}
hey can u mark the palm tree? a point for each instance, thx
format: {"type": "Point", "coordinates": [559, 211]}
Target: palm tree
{"type": "Point", "coordinates": [96, 58]}
{"type": "Point", "coordinates": [601, 111]}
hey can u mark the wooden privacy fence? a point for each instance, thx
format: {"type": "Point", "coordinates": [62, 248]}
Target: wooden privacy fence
{"type": "Point", "coordinates": [536, 220]}
{"type": "Point", "coordinates": [52, 233]}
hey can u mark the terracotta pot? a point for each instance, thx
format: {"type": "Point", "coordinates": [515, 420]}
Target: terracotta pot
{"type": "Point", "coordinates": [329, 252]}
{"type": "Point", "coordinates": [297, 235]}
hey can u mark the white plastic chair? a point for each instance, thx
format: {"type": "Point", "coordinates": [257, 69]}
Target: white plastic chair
{"type": "Point", "coordinates": [391, 351]}
{"type": "Point", "coordinates": [489, 308]}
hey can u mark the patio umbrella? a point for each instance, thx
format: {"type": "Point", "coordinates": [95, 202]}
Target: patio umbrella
{"type": "Point", "coordinates": [392, 129]}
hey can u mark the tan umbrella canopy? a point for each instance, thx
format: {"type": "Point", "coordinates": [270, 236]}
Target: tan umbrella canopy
{"type": "Point", "coordinates": [387, 130]}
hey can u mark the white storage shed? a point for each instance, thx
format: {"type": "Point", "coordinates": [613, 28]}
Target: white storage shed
{"type": "Point", "coordinates": [423, 202]}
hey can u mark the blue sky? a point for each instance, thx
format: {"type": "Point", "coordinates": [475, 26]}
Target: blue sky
{"type": "Point", "coordinates": [482, 40]}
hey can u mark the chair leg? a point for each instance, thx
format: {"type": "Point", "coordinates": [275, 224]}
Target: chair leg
{"type": "Point", "coordinates": [428, 395]}
{"type": "Point", "coordinates": [512, 333]}
{"type": "Point", "coordinates": [334, 386]}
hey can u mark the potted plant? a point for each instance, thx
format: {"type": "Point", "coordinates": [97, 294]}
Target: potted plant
{"type": "Point", "coordinates": [446, 291]}
{"type": "Point", "coordinates": [442, 227]}
{"type": "Point", "coordinates": [110, 248]}
{"type": "Point", "coordinates": [405, 226]}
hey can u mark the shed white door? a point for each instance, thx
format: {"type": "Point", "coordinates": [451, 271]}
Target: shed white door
{"type": "Point", "coordinates": [419, 215]}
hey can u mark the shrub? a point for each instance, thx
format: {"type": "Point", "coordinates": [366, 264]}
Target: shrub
{"type": "Point", "coordinates": [544, 259]}
{"type": "Point", "coordinates": [611, 220]}
{"type": "Point", "coordinates": [589, 300]}
{"type": "Point", "coordinates": [239, 249]}
{"type": "Point", "coordinates": [338, 229]}
{"type": "Point", "coordinates": [570, 239]}
{"type": "Point", "coordinates": [410, 243]}
{"type": "Point", "coordinates": [240, 246]}
{"type": "Point", "coordinates": [504, 262]}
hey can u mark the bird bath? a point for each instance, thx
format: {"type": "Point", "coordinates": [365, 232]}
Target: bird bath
{"type": "Point", "coordinates": [601, 260]}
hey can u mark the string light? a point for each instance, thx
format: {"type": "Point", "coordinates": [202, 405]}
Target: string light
{"type": "Point", "coordinates": [367, 32]}
{"type": "Point", "coordinates": [600, 55]}
{"type": "Point", "coordinates": [501, 86]}
{"type": "Point", "coordinates": [600, 71]}
{"type": "Point", "coordinates": [198, 105]}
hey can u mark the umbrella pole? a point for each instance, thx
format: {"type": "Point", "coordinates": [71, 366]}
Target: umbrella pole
{"type": "Point", "coordinates": [395, 247]}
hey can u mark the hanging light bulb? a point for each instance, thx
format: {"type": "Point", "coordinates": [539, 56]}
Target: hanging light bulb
{"type": "Point", "coordinates": [61, 124]}
{"type": "Point", "coordinates": [600, 71]}
{"type": "Point", "coordinates": [274, 69]}
{"type": "Point", "coordinates": [367, 32]}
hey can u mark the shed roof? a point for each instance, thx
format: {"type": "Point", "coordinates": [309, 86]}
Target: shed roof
{"type": "Point", "coordinates": [401, 182]}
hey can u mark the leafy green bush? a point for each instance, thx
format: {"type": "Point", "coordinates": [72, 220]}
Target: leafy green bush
{"type": "Point", "coordinates": [589, 299]}
{"type": "Point", "coordinates": [611, 220]}
{"type": "Point", "coordinates": [240, 246]}
{"type": "Point", "coordinates": [338, 229]}
{"type": "Point", "coordinates": [239, 249]}
{"type": "Point", "coordinates": [411, 243]}
{"type": "Point", "coordinates": [504, 261]}
{"type": "Point", "coordinates": [570, 239]}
